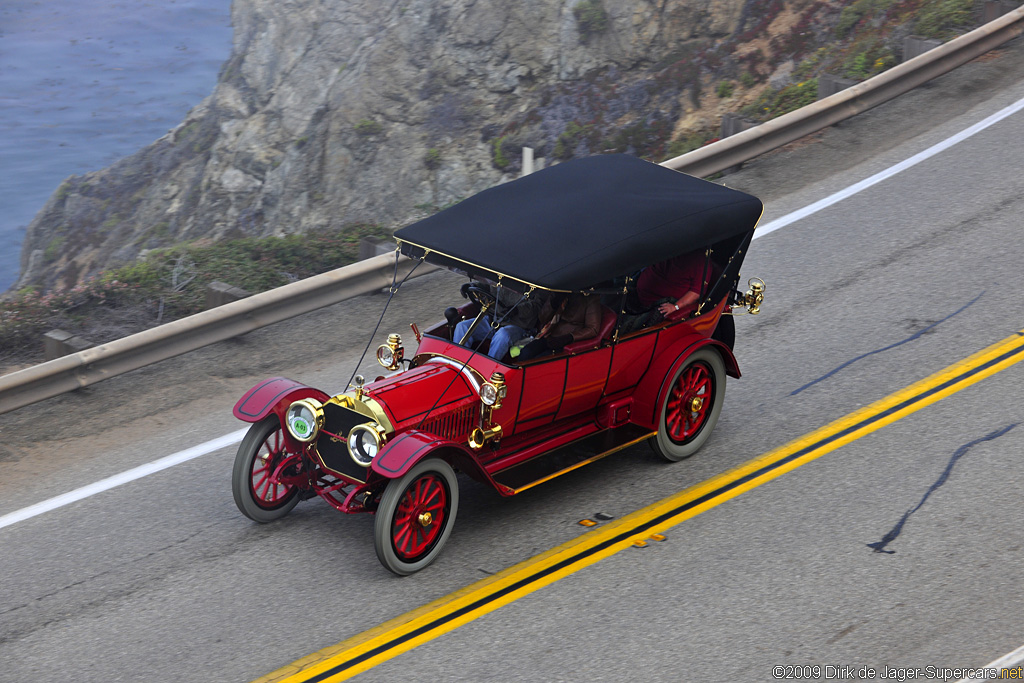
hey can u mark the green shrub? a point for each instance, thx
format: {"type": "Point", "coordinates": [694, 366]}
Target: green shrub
{"type": "Point", "coordinates": [368, 127]}
{"type": "Point", "coordinates": [852, 14]}
{"type": "Point", "coordinates": [725, 89]}
{"type": "Point", "coordinates": [432, 158]}
{"type": "Point", "coordinates": [567, 141]}
{"type": "Point", "coordinates": [255, 264]}
{"type": "Point", "coordinates": [847, 20]}
{"type": "Point", "coordinates": [940, 18]}
{"type": "Point", "coordinates": [645, 139]}
{"type": "Point", "coordinates": [591, 17]}
{"type": "Point", "coordinates": [498, 157]}
{"type": "Point", "coordinates": [807, 67]}
{"type": "Point", "coordinates": [747, 79]}
{"type": "Point", "coordinates": [774, 103]}
{"type": "Point", "coordinates": [858, 67]}
{"type": "Point", "coordinates": [795, 96]}
{"type": "Point", "coordinates": [690, 142]}
{"type": "Point", "coordinates": [144, 274]}
{"type": "Point", "coordinates": [869, 59]}
{"type": "Point", "coordinates": [53, 248]}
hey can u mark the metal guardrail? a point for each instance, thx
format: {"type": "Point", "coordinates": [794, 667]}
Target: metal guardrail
{"type": "Point", "coordinates": [773, 134]}
{"type": "Point", "coordinates": [101, 362]}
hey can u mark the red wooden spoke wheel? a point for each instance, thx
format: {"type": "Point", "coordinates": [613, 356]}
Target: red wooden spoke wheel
{"type": "Point", "coordinates": [415, 516]}
{"type": "Point", "coordinates": [420, 517]}
{"type": "Point", "coordinates": [256, 493]}
{"type": "Point", "coordinates": [688, 402]}
{"type": "Point", "coordinates": [691, 405]}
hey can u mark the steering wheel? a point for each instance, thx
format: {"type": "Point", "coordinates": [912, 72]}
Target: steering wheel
{"type": "Point", "coordinates": [479, 294]}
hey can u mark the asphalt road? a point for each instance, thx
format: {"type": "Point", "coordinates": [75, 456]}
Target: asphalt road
{"type": "Point", "coordinates": [162, 579]}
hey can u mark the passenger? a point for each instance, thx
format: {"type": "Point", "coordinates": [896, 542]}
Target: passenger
{"type": "Point", "coordinates": [666, 287]}
{"type": "Point", "coordinates": [517, 316]}
{"type": "Point", "coordinates": [673, 285]}
{"type": "Point", "coordinates": [566, 319]}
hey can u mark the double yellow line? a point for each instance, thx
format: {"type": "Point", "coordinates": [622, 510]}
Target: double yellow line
{"type": "Point", "coordinates": [362, 652]}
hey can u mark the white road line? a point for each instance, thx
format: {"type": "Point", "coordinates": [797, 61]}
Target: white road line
{"type": "Point", "coordinates": [122, 478]}
{"type": "Point", "coordinates": [235, 437]}
{"type": "Point", "coordinates": [1014, 659]}
{"type": "Point", "coordinates": [845, 193]}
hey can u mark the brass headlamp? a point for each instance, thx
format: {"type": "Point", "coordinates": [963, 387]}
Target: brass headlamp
{"type": "Point", "coordinates": [365, 441]}
{"type": "Point", "coordinates": [491, 395]}
{"type": "Point", "coordinates": [391, 354]}
{"type": "Point", "coordinates": [304, 419]}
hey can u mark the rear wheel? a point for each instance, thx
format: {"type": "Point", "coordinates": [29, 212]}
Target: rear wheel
{"type": "Point", "coordinates": [415, 516]}
{"type": "Point", "coordinates": [691, 406]}
{"type": "Point", "coordinates": [257, 494]}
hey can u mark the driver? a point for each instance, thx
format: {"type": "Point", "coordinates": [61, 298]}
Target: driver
{"type": "Point", "coordinates": [517, 317]}
{"type": "Point", "coordinates": [568, 318]}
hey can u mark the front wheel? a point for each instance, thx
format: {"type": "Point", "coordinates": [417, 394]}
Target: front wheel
{"type": "Point", "coordinates": [257, 494]}
{"type": "Point", "coordinates": [415, 516]}
{"type": "Point", "coordinates": [691, 406]}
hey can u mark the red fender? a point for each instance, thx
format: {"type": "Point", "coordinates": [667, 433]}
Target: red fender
{"type": "Point", "coordinates": [405, 450]}
{"type": "Point", "coordinates": [273, 395]}
{"type": "Point", "coordinates": [651, 390]}
{"type": "Point", "coordinates": [408, 448]}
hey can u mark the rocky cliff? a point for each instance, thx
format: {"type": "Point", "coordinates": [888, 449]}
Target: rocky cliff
{"type": "Point", "coordinates": [331, 112]}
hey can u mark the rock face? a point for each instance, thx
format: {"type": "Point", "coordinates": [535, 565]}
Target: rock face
{"type": "Point", "coordinates": [335, 112]}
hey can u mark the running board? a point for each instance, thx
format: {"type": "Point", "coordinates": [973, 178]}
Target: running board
{"type": "Point", "coordinates": [570, 457]}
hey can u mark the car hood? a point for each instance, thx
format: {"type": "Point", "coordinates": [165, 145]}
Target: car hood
{"type": "Point", "coordinates": [436, 388]}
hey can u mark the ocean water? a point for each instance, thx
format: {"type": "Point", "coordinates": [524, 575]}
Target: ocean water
{"type": "Point", "coordinates": [86, 82]}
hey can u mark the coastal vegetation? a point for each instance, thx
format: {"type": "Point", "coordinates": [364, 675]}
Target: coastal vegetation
{"type": "Point", "coordinates": [168, 284]}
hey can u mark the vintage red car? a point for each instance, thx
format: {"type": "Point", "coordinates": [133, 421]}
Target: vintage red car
{"type": "Point", "coordinates": [391, 447]}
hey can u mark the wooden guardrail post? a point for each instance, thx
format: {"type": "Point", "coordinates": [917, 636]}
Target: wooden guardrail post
{"type": "Point", "coordinates": [914, 46]}
{"type": "Point", "coordinates": [735, 123]}
{"type": "Point", "coordinates": [219, 293]}
{"type": "Point", "coordinates": [830, 84]}
{"type": "Point", "coordinates": [731, 125]}
{"type": "Point", "coordinates": [58, 343]}
{"type": "Point", "coordinates": [374, 246]}
{"type": "Point", "coordinates": [993, 9]}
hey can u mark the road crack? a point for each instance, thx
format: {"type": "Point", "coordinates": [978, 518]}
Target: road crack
{"type": "Point", "coordinates": [879, 546]}
{"type": "Point", "coordinates": [911, 338]}
{"type": "Point", "coordinates": [87, 595]}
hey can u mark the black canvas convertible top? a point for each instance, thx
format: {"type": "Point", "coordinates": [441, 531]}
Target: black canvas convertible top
{"type": "Point", "coordinates": [572, 226]}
